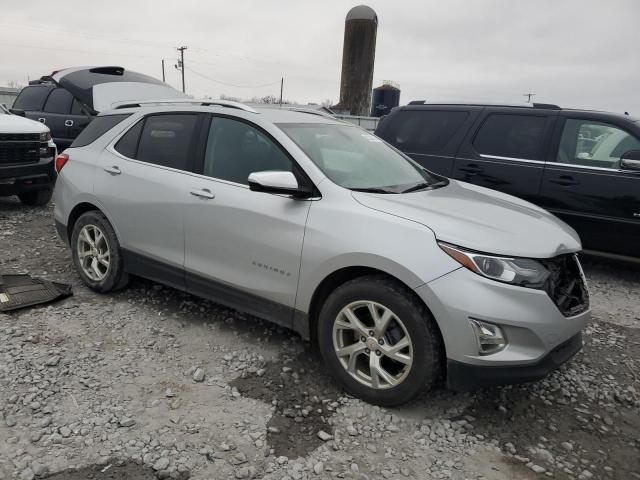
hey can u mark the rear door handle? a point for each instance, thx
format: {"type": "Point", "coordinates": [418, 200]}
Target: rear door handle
{"type": "Point", "coordinates": [565, 181]}
{"type": "Point", "coordinates": [113, 170]}
{"type": "Point", "coordinates": [204, 193]}
{"type": "Point", "coordinates": [472, 168]}
{"type": "Point", "coordinates": [68, 123]}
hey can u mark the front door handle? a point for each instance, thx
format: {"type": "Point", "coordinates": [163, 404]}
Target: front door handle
{"type": "Point", "coordinates": [204, 193]}
{"type": "Point", "coordinates": [113, 170]}
{"type": "Point", "coordinates": [565, 181]}
{"type": "Point", "coordinates": [472, 168]}
{"type": "Point", "coordinates": [68, 123]}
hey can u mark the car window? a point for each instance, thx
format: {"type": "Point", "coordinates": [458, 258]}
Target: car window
{"type": "Point", "coordinates": [31, 98]}
{"type": "Point", "coordinates": [594, 144]}
{"type": "Point", "coordinates": [356, 159]}
{"type": "Point", "coordinates": [513, 136]}
{"type": "Point", "coordinates": [58, 101]}
{"type": "Point", "coordinates": [76, 108]}
{"type": "Point", "coordinates": [424, 130]}
{"type": "Point", "coordinates": [236, 149]}
{"type": "Point", "coordinates": [166, 140]}
{"type": "Point", "coordinates": [128, 144]}
{"type": "Point", "coordinates": [98, 127]}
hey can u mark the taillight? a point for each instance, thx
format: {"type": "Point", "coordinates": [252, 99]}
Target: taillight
{"type": "Point", "coordinates": [61, 161]}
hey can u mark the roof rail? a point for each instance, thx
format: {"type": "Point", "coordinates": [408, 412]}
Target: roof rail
{"type": "Point", "coordinates": [188, 101]}
{"type": "Point", "coordinates": [548, 106]}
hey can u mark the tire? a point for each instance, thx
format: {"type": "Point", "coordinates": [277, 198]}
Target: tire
{"type": "Point", "coordinates": [113, 276]}
{"type": "Point", "coordinates": [37, 198]}
{"type": "Point", "coordinates": [411, 324]}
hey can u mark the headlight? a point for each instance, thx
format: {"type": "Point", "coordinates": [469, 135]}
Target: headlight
{"type": "Point", "coordinates": [525, 272]}
{"type": "Point", "coordinates": [45, 136]}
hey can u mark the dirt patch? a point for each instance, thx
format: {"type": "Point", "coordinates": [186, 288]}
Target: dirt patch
{"type": "Point", "coordinates": [304, 399]}
{"type": "Point", "coordinates": [128, 471]}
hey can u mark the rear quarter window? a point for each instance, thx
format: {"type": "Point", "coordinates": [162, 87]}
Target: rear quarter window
{"type": "Point", "coordinates": [32, 98]}
{"type": "Point", "coordinates": [423, 130]}
{"type": "Point", "coordinates": [98, 127]}
{"type": "Point", "coordinates": [511, 136]}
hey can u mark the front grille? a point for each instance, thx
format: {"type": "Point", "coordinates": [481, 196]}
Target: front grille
{"type": "Point", "coordinates": [19, 137]}
{"type": "Point", "coordinates": [566, 285]}
{"type": "Point", "coordinates": [19, 152]}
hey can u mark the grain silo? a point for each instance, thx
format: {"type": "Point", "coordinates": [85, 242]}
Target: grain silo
{"type": "Point", "coordinates": [358, 58]}
{"type": "Point", "coordinates": [385, 97]}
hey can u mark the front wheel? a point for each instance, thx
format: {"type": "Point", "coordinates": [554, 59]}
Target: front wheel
{"type": "Point", "coordinates": [379, 341]}
{"type": "Point", "coordinates": [96, 253]}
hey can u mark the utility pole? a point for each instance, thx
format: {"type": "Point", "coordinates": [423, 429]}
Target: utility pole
{"type": "Point", "coordinates": [528, 95]}
{"type": "Point", "coordinates": [180, 65]}
{"type": "Point", "coordinates": [281, 88]}
{"type": "Point", "coordinates": [163, 79]}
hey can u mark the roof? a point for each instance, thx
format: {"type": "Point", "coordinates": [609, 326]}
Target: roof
{"type": "Point", "coordinates": [362, 12]}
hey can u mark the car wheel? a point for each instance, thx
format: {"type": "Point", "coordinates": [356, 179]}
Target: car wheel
{"type": "Point", "coordinates": [96, 253]}
{"type": "Point", "coordinates": [379, 341]}
{"type": "Point", "coordinates": [37, 198]}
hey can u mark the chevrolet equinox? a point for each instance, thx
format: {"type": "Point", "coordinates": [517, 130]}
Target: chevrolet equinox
{"type": "Point", "coordinates": [401, 276]}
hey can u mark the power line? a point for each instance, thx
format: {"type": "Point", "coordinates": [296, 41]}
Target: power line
{"type": "Point", "coordinates": [231, 84]}
{"type": "Point", "coordinates": [528, 95]}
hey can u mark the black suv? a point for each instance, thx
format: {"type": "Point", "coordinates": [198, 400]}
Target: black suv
{"type": "Point", "coordinates": [67, 100]}
{"type": "Point", "coordinates": [583, 166]}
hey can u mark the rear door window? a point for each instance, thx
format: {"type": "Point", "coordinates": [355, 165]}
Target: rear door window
{"type": "Point", "coordinates": [31, 98]}
{"type": "Point", "coordinates": [511, 136]}
{"type": "Point", "coordinates": [98, 127]}
{"type": "Point", "coordinates": [424, 130]}
{"type": "Point", "coordinates": [166, 140]}
{"type": "Point", "coordinates": [59, 101]}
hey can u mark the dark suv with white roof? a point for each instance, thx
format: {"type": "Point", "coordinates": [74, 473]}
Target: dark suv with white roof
{"type": "Point", "coordinates": [583, 166]}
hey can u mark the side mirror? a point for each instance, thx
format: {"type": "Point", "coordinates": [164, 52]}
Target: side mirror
{"type": "Point", "coordinates": [17, 111]}
{"type": "Point", "coordinates": [630, 161]}
{"type": "Point", "coordinates": [278, 182]}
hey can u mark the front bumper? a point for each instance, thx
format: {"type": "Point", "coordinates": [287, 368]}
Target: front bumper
{"type": "Point", "coordinates": [29, 177]}
{"type": "Point", "coordinates": [463, 377]}
{"type": "Point", "coordinates": [533, 326]}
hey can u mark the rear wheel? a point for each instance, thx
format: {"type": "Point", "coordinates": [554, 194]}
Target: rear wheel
{"type": "Point", "coordinates": [37, 198]}
{"type": "Point", "coordinates": [379, 341]}
{"type": "Point", "coordinates": [96, 253]}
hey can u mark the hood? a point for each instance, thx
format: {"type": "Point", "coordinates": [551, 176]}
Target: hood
{"type": "Point", "coordinates": [481, 219]}
{"type": "Point", "coordinates": [17, 124]}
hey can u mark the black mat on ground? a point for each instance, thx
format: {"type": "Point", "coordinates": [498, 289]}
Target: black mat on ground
{"type": "Point", "coordinates": [21, 291]}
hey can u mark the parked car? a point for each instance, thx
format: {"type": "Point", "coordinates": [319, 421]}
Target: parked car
{"type": "Point", "coordinates": [26, 159]}
{"type": "Point", "coordinates": [398, 274]}
{"type": "Point", "coordinates": [582, 166]}
{"type": "Point", "coordinates": [67, 100]}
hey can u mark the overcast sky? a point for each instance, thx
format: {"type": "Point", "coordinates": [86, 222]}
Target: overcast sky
{"type": "Point", "coordinates": [577, 53]}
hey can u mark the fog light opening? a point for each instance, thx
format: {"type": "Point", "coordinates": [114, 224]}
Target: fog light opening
{"type": "Point", "coordinates": [489, 337]}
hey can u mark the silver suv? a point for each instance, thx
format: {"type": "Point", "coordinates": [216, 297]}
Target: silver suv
{"type": "Point", "coordinates": [399, 275]}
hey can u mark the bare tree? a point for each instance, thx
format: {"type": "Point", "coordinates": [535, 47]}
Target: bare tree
{"type": "Point", "coordinates": [14, 84]}
{"type": "Point", "coordinates": [327, 103]}
{"type": "Point", "coordinates": [269, 99]}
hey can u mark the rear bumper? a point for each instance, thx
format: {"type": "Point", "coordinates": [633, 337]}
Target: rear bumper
{"type": "Point", "coordinates": [463, 377]}
{"type": "Point", "coordinates": [16, 179]}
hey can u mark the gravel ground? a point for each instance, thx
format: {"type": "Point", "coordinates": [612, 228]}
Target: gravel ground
{"type": "Point", "coordinates": [153, 383]}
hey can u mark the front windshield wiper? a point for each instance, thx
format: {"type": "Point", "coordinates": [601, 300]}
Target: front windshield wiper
{"type": "Point", "coordinates": [372, 190]}
{"type": "Point", "coordinates": [416, 187]}
{"type": "Point", "coordinates": [423, 185]}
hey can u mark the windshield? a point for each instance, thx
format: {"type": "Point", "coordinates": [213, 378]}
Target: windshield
{"type": "Point", "coordinates": [355, 159]}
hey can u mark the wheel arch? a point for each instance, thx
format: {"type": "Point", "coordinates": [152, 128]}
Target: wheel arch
{"type": "Point", "coordinates": [343, 275]}
{"type": "Point", "coordinates": [85, 206]}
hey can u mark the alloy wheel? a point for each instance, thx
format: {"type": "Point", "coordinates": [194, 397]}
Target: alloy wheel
{"type": "Point", "coordinates": [93, 252]}
{"type": "Point", "coordinates": [372, 344]}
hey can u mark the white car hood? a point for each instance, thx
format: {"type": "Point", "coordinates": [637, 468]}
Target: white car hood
{"type": "Point", "coordinates": [480, 219]}
{"type": "Point", "coordinates": [17, 124]}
